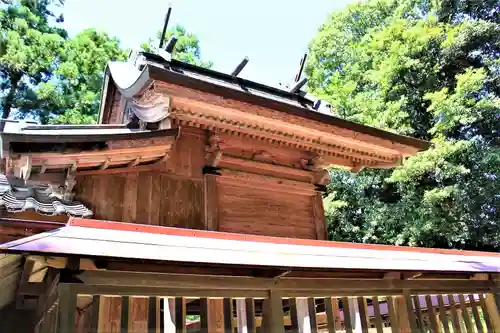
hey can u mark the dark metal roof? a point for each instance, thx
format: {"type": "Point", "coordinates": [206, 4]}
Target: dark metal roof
{"type": "Point", "coordinates": [79, 133]}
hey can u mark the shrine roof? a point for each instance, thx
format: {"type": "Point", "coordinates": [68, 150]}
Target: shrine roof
{"type": "Point", "coordinates": [28, 132]}
{"type": "Point", "coordinates": [132, 79]}
{"type": "Point", "coordinates": [104, 239]}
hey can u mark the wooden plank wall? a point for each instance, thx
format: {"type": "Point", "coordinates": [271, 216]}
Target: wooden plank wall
{"type": "Point", "coordinates": [146, 197]}
{"type": "Point", "coordinates": [177, 194]}
{"type": "Point", "coordinates": [267, 213]}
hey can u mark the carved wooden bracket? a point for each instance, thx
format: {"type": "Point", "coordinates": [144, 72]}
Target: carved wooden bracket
{"type": "Point", "coordinates": [318, 165]}
{"type": "Point", "coordinates": [22, 167]}
{"type": "Point", "coordinates": [70, 182]}
{"type": "Point", "coordinates": [213, 152]}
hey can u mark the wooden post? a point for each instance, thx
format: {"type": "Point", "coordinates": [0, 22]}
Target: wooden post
{"type": "Point", "coordinates": [211, 202]}
{"type": "Point", "coordinates": [67, 309]}
{"type": "Point", "coordinates": [434, 325]}
{"type": "Point", "coordinates": [241, 316]}
{"type": "Point", "coordinates": [303, 318]}
{"type": "Point", "coordinates": [124, 317]}
{"type": "Point", "coordinates": [393, 318]}
{"type": "Point", "coordinates": [169, 315]}
{"type": "Point", "coordinates": [332, 314]}
{"type": "Point", "coordinates": [228, 315]}
{"type": "Point", "coordinates": [180, 315]}
{"type": "Point", "coordinates": [490, 311]}
{"type": "Point", "coordinates": [250, 315]}
{"type": "Point", "coordinates": [216, 316]}
{"type": "Point", "coordinates": [405, 314]}
{"type": "Point", "coordinates": [355, 315]}
{"type": "Point", "coordinates": [319, 217]}
{"type": "Point", "coordinates": [273, 313]}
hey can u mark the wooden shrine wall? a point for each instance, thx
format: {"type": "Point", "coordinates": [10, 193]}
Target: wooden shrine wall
{"type": "Point", "coordinates": [257, 212]}
{"type": "Point", "coordinates": [176, 194]}
{"type": "Point", "coordinates": [146, 197]}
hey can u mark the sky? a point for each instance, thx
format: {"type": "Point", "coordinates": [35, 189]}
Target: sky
{"type": "Point", "coordinates": [274, 34]}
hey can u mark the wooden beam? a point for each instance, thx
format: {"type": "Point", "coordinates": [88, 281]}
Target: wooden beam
{"type": "Point", "coordinates": [211, 202]}
{"type": "Point", "coordinates": [67, 309]}
{"type": "Point", "coordinates": [105, 164]}
{"type": "Point", "coordinates": [61, 262]}
{"type": "Point", "coordinates": [289, 286]}
{"type": "Point", "coordinates": [265, 183]}
{"type": "Point", "coordinates": [235, 163]}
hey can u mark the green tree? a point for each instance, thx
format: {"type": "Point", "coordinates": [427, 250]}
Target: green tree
{"type": "Point", "coordinates": [186, 49]}
{"type": "Point", "coordinates": [429, 69]}
{"type": "Point", "coordinates": [46, 75]}
{"type": "Point", "coordinates": [28, 47]}
{"type": "Point", "coordinates": [80, 76]}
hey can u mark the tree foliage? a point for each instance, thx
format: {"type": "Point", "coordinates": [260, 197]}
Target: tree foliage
{"type": "Point", "coordinates": [45, 74]}
{"type": "Point", "coordinates": [187, 48]}
{"type": "Point", "coordinates": [429, 69]}
{"type": "Point", "coordinates": [48, 76]}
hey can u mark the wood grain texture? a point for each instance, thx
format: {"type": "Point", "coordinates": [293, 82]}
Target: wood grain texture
{"type": "Point", "coordinates": [110, 314]}
{"type": "Point", "coordinates": [146, 197]}
{"type": "Point", "coordinates": [319, 217]}
{"type": "Point", "coordinates": [138, 315]}
{"type": "Point", "coordinates": [210, 202]}
{"type": "Point", "coordinates": [252, 211]}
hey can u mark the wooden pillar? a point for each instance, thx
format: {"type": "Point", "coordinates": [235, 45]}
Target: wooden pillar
{"type": "Point", "coordinates": [273, 313]}
{"type": "Point", "coordinates": [169, 315]}
{"type": "Point", "coordinates": [319, 217]}
{"type": "Point", "coordinates": [216, 316]}
{"type": "Point", "coordinates": [109, 314]}
{"type": "Point", "coordinates": [355, 315]}
{"type": "Point", "coordinates": [210, 202]}
{"type": "Point", "coordinates": [303, 317]}
{"type": "Point", "coordinates": [492, 316]}
{"type": "Point", "coordinates": [67, 309]}
{"type": "Point", "coordinates": [405, 313]}
{"type": "Point", "coordinates": [241, 316]}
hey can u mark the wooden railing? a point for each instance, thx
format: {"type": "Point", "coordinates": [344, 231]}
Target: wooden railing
{"type": "Point", "coordinates": [108, 302]}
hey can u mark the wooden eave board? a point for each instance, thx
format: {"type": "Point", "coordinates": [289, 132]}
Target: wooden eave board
{"type": "Point", "coordinates": [90, 238]}
{"type": "Point", "coordinates": [287, 103]}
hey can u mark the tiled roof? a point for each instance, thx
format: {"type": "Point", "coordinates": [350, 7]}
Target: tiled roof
{"type": "Point", "coordinates": [43, 199]}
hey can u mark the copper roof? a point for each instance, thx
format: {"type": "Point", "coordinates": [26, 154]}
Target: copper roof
{"type": "Point", "coordinates": [104, 239]}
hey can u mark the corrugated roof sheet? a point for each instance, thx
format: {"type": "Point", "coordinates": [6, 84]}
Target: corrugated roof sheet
{"type": "Point", "coordinates": [40, 198]}
{"type": "Point", "coordinates": [132, 241]}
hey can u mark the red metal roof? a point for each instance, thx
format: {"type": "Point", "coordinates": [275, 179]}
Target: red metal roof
{"type": "Point", "coordinates": [85, 237]}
